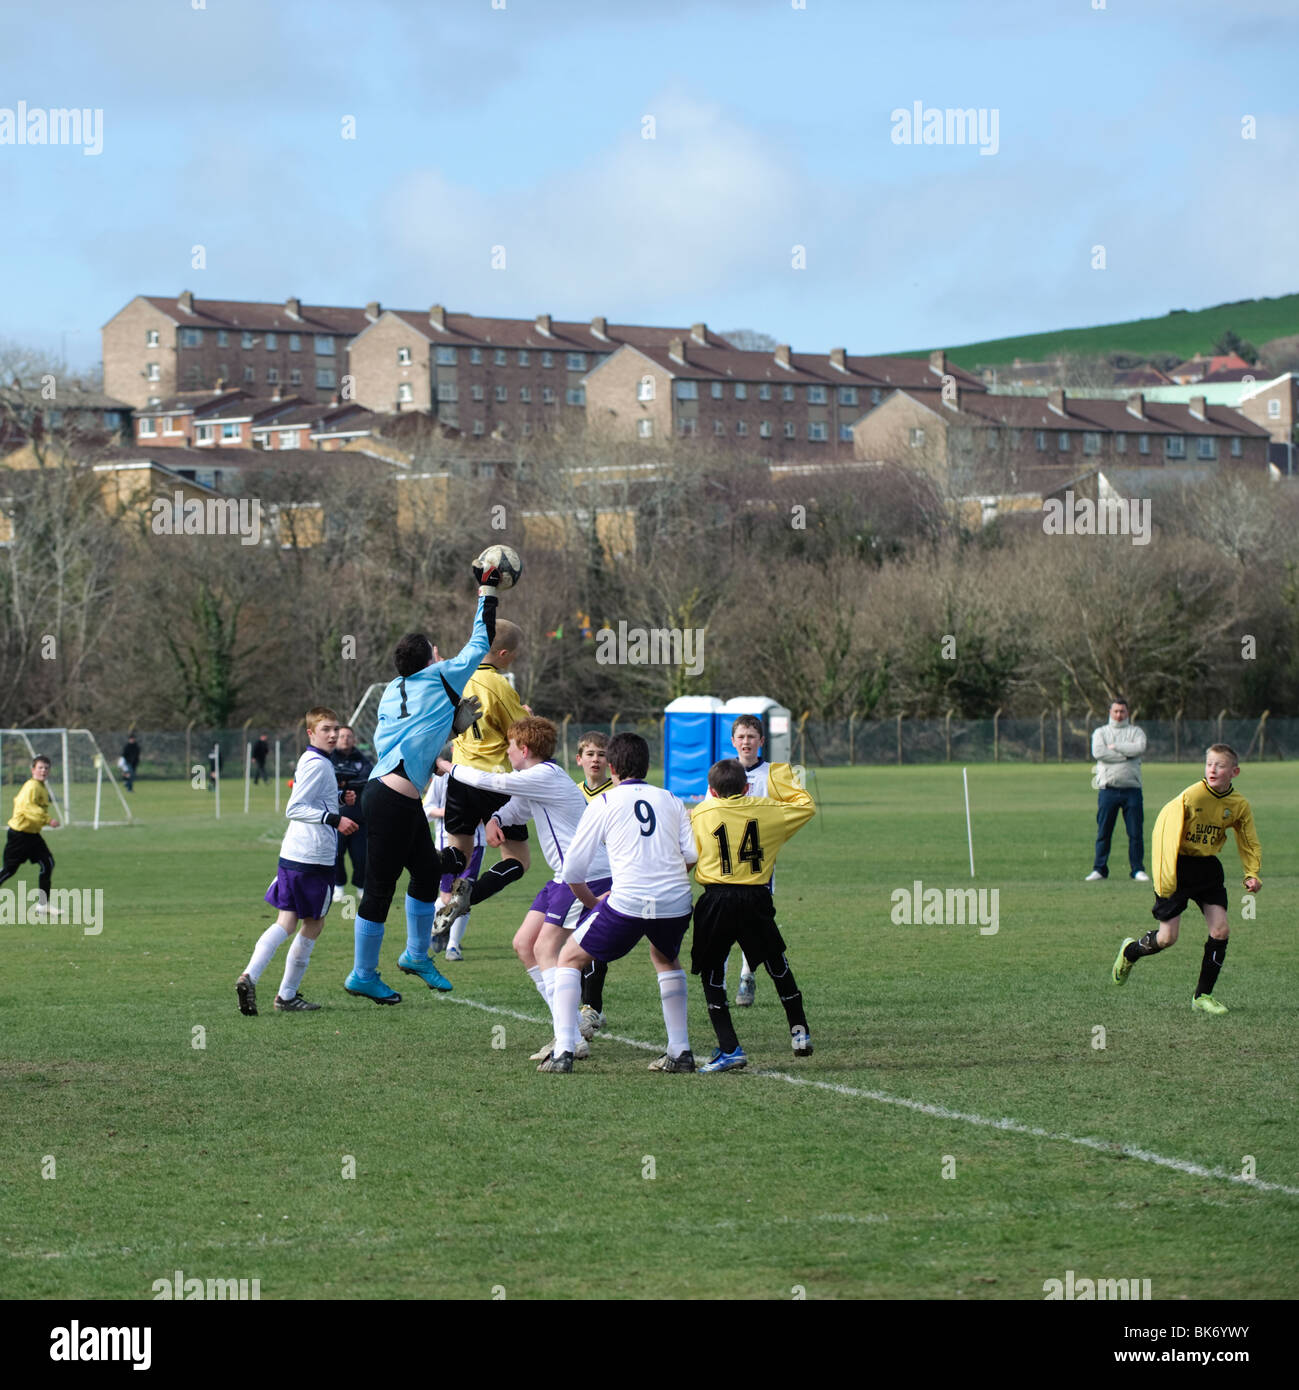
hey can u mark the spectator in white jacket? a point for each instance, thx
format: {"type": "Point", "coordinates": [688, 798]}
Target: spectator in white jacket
{"type": "Point", "coordinates": [1118, 747]}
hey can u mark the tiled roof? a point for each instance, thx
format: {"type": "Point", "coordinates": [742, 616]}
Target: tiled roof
{"type": "Point", "coordinates": [472, 330]}
{"type": "Point", "coordinates": [256, 316]}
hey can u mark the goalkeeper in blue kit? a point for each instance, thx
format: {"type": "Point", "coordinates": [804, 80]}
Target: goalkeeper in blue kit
{"type": "Point", "coordinates": [417, 714]}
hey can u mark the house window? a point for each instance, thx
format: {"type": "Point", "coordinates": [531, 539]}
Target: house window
{"type": "Point", "coordinates": [405, 394]}
{"type": "Point", "coordinates": [295, 342]}
{"type": "Point", "coordinates": [845, 432]}
{"type": "Point", "coordinates": [575, 395]}
{"type": "Point", "coordinates": [403, 357]}
{"type": "Point", "coordinates": [223, 338]}
{"type": "Point", "coordinates": [1062, 441]}
{"type": "Point", "coordinates": [479, 427]}
{"type": "Point", "coordinates": [446, 391]}
{"type": "Point", "coordinates": [502, 393]}
{"type": "Point", "coordinates": [816, 395]}
{"type": "Point", "coordinates": [152, 372]}
{"type": "Point", "coordinates": [325, 377]}
{"type": "Point", "coordinates": [847, 395]}
{"type": "Point", "coordinates": [1143, 443]}
{"type": "Point", "coordinates": [1039, 441]}
{"type": "Point", "coordinates": [525, 394]}
{"type": "Point", "coordinates": [193, 376]}
{"type": "Point", "coordinates": [547, 359]}
{"type": "Point", "coordinates": [741, 427]}
{"type": "Point", "coordinates": [525, 428]}
{"type": "Point", "coordinates": [645, 429]}
{"type": "Point", "coordinates": [524, 357]}
{"type": "Point", "coordinates": [1236, 447]}
{"type": "Point", "coordinates": [991, 436]}
{"type": "Point", "coordinates": [876, 396]}
{"type": "Point", "coordinates": [1206, 448]}
{"type": "Point", "coordinates": [817, 429]}
{"type": "Point", "coordinates": [250, 375]}
{"type": "Point", "coordinates": [446, 357]}
{"type": "Point", "coordinates": [577, 361]}
{"type": "Point", "coordinates": [716, 389]}
{"type": "Point", "coordinates": [917, 437]}
{"type": "Point", "coordinates": [295, 377]}
{"type": "Point", "coordinates": [548, 395]}
{"type": "Point", "coordinates": [1091, 442]}
{"type": "Point", "coordinates": [290, 439]}
{"type": "Point", "coordinates": [273, 375]}
{"type": "Point", "coordinates": [719, 426]}
{"type": "Point", "coordinates": [499, 357]}
{"type": "Point", "coordinates": [764, 391]}
{"type": "Point", "coordinates": [645, 389]}
{"type": "Point", "coordinates": [1174, 446]}
{"type": "Point", "coordinates": [146, 428]}
{"type": "Point", "coordinates": [203, 434]}
{"type": "Point", "coordinates": [476, 392]}
{"type": "Point", "coordinates": [246, 340]}
{"type": "Point", "coordinates": [687, 390]}
{"type": "Point", "coordinates": [189, 338]}
{"type": "Point", "coordinates": [151, 338]}
{"type": "Point", "coordinates": [1120, 443]}
{"type": "Point", "coordinates": [1274, 410]}
{"type": "Point", "coordinates": [787, 393]}
{"type": "Point", "coordinates": [789, 429]}
{"type": "Point", "coordinates": [272, 342]}
{"type": "Point", "coordinates": [688, 426]}
{"type": "Point", "coordinates": [475, 356]}
{"type": "Point", "coordinates": [324, 345]}
{"type": "Point", "coordinates": [231, 431]}
{"type": "Point", "coordinates": [764, 429]}
{"type": "Point", "coordinates": [741, 391]}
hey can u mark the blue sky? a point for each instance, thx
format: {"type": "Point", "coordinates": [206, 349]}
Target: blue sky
{"type": "Point", "coordinates": [522, 127]}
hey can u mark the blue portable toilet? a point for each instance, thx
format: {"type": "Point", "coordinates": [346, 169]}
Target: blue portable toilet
{"type": "Point", "coordinates": [775, 726]}
{"type": "Point", "coordinates": [689, 740]}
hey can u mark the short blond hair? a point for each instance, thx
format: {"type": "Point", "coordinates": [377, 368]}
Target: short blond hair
{"type": "Point", "coordinates": [318, 713]}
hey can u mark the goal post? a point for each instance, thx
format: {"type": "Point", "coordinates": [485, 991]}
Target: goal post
{"type": "Point", "coordinates": [76, 781]}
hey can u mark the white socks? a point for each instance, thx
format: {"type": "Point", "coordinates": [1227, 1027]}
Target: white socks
{"type": "Point", "coordinates": [566, 999]}
{"type": "Point", "coordinates": [672, 990]}
{"type": "Point", "coordinates": [296, 965]}
{"type": "Point", "coordinates": [268, 943]}
{"type": "Point", "coordinates": [534, 974]}
{"type": "Point", "coordinates": [458, 929]}
{"type": "Point", "coordinates": [548, 983]}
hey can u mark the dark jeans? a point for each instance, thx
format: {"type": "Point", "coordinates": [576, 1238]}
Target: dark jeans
{"type": "Point", "coordinates": [1112, 800]}
{"type": "Point", "coordinates": [259, 771]}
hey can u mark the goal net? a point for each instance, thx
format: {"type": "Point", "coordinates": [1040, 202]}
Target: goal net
{"type": "Point", "coordinates": [83, 784]}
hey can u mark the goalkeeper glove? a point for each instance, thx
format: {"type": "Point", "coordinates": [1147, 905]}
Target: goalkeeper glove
{"type": "Point", "coordinates": [468, 710]}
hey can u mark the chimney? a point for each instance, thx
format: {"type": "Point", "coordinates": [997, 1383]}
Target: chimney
{"type": "Point", "coordinates": [437, 316]}
{"type": "Point", "coordinates": [837, 356]}
{"type": "Point", "coordinates": [220, 386]}
{"type": "Point", "coordinates": [699, 332]}
{"type": "Point", "coordinates": [186, 301]}
{"type": "Point", "coordinates": [599, 326]}
{"type": "Point", "coordinates": [1137, 405]}
{"type": "Point", "coordinates": [372, 310]}
{"type": "Point", "coordinates": [782, 355]}
{"type": "Point", "coordinates": [677, 349]}
{"type": "Point", "coordinates": [1197, 404]}
{"type": "Point", "coordinates": [938, 361]}
{"type": "Point", "coordinates": [1056, 400]}
{"type": "Point", "coordinates": [293, 307]}
{"type": "Point", "coordinates": [543, 324]}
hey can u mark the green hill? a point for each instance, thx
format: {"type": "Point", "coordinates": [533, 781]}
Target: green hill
{"type": "Point", "coordinates": [1181, 331]}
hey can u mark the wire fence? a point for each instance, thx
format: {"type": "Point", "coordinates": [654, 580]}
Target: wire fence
{"type": "Point", "coordinates": [1054, 736]}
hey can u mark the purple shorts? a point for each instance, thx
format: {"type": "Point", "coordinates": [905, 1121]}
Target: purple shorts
{"type": "Point", "coordinates": [306, 891]}
{"type": "Point", "coordinates": [608, 934]}
{"type": "Point", "coordinates": [561, 908]}
{"type": "Point", "coordinates": [471, 869]}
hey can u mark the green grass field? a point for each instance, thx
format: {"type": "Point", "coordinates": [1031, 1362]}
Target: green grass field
{"type": "Point", "coordinates": [475, 1175]}
{"type": "Point", "coordinates": [1256, 320]}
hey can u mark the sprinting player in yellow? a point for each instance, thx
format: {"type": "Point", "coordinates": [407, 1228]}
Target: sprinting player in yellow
{"type": "Point", "coordinates": [483, 747]}
{"type": "Point", "coordinates": [737, 838]}
{"type": "Point", "coordinates": [1189, 833]}
{"type": "Point", "coordinates": [23, 843]}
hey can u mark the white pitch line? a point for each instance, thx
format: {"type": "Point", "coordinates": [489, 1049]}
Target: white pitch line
{"type": "Point", "coordinates": [941, 1112]}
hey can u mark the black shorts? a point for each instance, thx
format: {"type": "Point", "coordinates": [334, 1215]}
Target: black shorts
{"type": "Point", "coordinates": [1199, 881]}
{"type": "Point", "coordinates": [469, 807]}
{"type": "Point", "coordinates": [24, 848]}
{"type": "Point", "coordinates": [725, 915]}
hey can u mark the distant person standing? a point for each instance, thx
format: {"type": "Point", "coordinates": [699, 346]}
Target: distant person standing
{"type": "Point", "coordinates": [130, 761]}
{"type": "Point", "coordinates": [352, 769]}
{"type": "Point", "coordinates": [1118, 748]}
{"type": "Point", "coordinates": [260, 750]}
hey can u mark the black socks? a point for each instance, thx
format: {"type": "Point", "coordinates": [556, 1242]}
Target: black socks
{"type": "Point", "coordinates": [719, 1011]}
{"type": "Point", "coordinates": [593, 984]}
{"type": "Point", "coordinates": [1214, 951]}
{"type": "Point", "coordinates": [1143, 946]}
{"type": "Point", "coordinates": [497, 877]}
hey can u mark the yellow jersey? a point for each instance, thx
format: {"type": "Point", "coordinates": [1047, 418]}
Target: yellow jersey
{"type": "Point", "coordinates": [592, 792]}
{"type": "Point", "coordinates": [31, 808]}
{"type": "Point", "coordinates": [738, 837]}
{"type": "Point", "coordinates": [1196, 822]}
{"type": "Point", "coordinates": [484, 743]}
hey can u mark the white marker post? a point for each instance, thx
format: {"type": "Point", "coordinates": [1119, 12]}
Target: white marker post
{"type": "Point", "coordinates": [216, 777]}
{"type": "Point", "coordinates": [969, 833]}
{"type": "Point", "coordinates": [277, 777]}
{"type": "Point", "coordinates": [99, 784]}
{"type": "Point", "coordinates": [248, 773]}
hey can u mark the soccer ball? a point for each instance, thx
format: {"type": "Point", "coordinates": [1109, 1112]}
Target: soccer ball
{"type": "Point", "coordinates": [503, 559]}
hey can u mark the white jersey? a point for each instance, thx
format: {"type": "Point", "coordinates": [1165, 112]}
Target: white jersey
{"type": "Point", "coordinates": [310, 839]}
{"type": "Point", "coordinates": [756, 778]}
{"type": "Point", "coordinates": [646, 833]}
{"type": "Point", "coordinates": [547, 796]}
{"type": "Point", "coordinates": [435, 799]}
